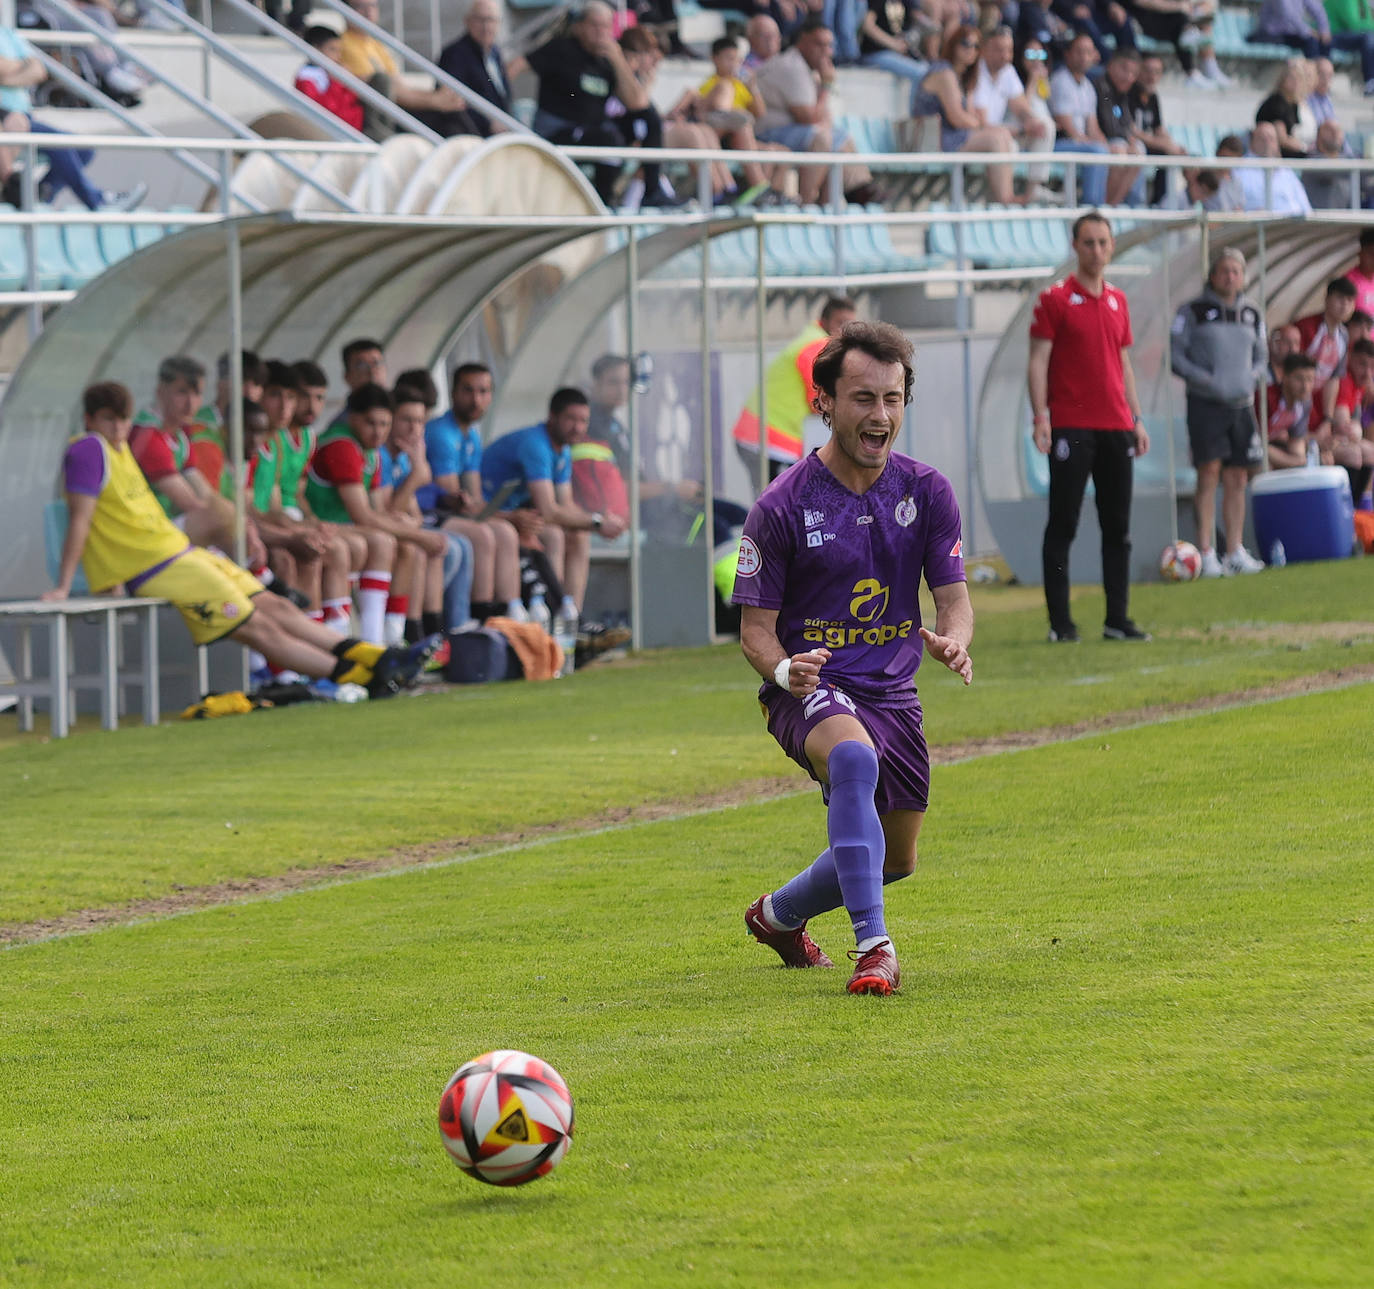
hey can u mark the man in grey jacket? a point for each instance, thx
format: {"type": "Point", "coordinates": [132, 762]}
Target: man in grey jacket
{"type": "Point", "coordinates": [1218, 347]}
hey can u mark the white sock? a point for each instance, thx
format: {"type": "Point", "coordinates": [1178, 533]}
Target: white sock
{"type": "Point", "coordinates": [394, 629]}
{"type": "Point", "coordinates": [373, 589]}
{"type": "Point", "coordinates": [866, 944]}
{"type": "Point", "coordinates": [634, 195]}
{"type": "Point", "coordinates": [1210, 66]}
{"type": "Point", "coordinates": [771, 918]}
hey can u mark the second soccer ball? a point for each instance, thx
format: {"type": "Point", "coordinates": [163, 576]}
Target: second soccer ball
{"type": "Point", "coordinates": [1180, 562]}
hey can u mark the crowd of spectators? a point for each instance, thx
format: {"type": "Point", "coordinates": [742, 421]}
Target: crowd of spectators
{"type": "Point", "coordinates": [1015, 76]}
{"type": "Point", "coordinates": [1318, 404]}
{"type": "Point", "coordinates": [384, 511]}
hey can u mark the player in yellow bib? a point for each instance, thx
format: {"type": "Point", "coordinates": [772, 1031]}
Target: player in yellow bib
{"type": "Point", "coordinates": [119, 533]}
{"type": "Point", "coordinates": [789, 394]}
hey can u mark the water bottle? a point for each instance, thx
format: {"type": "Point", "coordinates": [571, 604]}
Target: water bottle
{"type": "Point", "coordinates": [539, 610]}
{"type": "Point", "coordinates": [565, 632]}
{"type": "Point", "coordinates": [1314, 453]}
{"type": "Point", "coordinates": [1277, 557]}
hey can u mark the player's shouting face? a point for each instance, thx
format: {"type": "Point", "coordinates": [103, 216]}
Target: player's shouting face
{"type": "Point", "coordinates": [866, 410]}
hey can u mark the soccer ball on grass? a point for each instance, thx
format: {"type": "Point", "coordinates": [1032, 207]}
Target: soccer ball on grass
{"type": "Point", "coordinates": [1180, 562]}
{"type": "Point", "coordinates": [506, 1118]}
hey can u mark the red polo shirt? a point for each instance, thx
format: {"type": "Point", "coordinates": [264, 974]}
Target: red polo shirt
{"type": "Point", "coordinates": [1086, 384]}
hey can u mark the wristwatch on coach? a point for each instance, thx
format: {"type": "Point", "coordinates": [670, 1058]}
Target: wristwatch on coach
{"type": "Point", "coordinates": [597, 517]}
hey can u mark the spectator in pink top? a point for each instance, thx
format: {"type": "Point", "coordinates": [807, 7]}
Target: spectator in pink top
{"type": "Point", "coordinates": [1362, 275]}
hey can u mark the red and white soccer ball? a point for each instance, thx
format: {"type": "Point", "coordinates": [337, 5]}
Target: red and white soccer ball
{"type": "Point", "coordinates": [1180, 562]}
{"type": "Point", "coordinates": [506, 1118]}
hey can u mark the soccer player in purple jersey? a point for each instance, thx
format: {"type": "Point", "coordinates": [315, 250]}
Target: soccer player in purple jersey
{"type": "Point", "coordinates": [829, 568]}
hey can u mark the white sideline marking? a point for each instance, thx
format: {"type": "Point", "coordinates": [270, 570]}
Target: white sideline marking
{"type": "Point", "coordinates": [554, 839]}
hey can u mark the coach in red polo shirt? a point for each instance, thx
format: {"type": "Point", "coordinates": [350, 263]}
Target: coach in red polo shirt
{"type": "Point", "coordinates": [1087, 417]}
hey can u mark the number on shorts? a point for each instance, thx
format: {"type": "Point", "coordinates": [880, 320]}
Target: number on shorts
{"type": "Point", "coordinates": [821, 697]}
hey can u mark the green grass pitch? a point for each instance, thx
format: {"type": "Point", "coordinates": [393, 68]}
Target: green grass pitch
{"type": "Point", "coordinates": [1134, 1044]}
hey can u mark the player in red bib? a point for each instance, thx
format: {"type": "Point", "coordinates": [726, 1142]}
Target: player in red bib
{"type": "Point", "coordinates": [1087, 417]}
{"type": "Point", "coordinates": [161, 444]}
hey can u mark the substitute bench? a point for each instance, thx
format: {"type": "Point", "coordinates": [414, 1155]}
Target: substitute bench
{"type": "Point", "coordinates": [62, 618]}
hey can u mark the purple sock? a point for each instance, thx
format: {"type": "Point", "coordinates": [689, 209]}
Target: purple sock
{"type": "Point", "coordinates": [815, 890]}
{"type": "Point", "coordinates": [856, 835]}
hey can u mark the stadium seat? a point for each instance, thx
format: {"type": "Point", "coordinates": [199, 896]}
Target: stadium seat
{"type": "Point", "coordinates": [116, 243]}
{"type": "Point", "coordinates": [13, 256]}
{"type": "Point", "coordinates": [81, 244]}
{"type": "Point", "coordinates": [54, 534]}
{"type": "Point", "coordinates": [147, 234]}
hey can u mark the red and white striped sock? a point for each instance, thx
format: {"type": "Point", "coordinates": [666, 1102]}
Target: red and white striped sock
{"type": "Point", "coordinates": [338, 614]}
{"type": "Point", "coordinates": [373, 589]}
{"type": "Point", "coordinates": [396, 608]}
{"type": "Point", "coordinates": [317, 615]}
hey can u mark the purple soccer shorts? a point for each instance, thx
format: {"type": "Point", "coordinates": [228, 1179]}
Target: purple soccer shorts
{"type": "Point", "coordinates": [897, 732]}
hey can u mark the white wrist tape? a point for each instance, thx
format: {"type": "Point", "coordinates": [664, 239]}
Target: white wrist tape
{"type": "Point", "coordinates": [782, 673]}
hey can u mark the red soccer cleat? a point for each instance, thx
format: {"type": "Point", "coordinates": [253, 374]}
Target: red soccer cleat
{"type": "Point", "coordinates": [795, 948]}
{"type": "Point", "coordinates": [875, 971]}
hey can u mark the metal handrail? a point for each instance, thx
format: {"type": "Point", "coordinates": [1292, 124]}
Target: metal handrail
{"type": "Point", "coordinates": [221, 118]}
{"type": "Point", "coordinates": [384, 105]}
{"type": "Point", "coordinates": [322, 117]}
{"type": "Point", "coordinates": [441, 77]}
{"type": "Point", "coordinates": [65, 76]}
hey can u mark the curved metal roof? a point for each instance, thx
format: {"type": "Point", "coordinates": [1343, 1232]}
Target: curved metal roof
{"type": "Point", "coordinates": [309, 281]}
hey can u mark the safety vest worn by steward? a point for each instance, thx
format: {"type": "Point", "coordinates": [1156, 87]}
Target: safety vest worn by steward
{"type": "Point", "coordinates": [790, 391]}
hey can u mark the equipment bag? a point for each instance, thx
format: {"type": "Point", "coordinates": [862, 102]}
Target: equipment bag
{"type": "Point", "coordinates": [479, 657]}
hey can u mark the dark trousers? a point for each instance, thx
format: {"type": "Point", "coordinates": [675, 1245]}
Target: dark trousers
{"type": "Point", "coordinates": [67, 169]}
{"type": "Point", "coordinates": [1105, 456]}
{"type": "Point", "coordinates": [645, 128]}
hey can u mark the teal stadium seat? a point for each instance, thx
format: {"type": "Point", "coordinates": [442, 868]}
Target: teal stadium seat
{"type": "Point", "coordinates": [13, 256]}
{"type": "Point", "coordinates": [147, 234]}
{"type": "Point", "coordinates": [116, 243]}
{"type": "Point", "coordinates": [81, 244]}
{"type": "Point", "coordinates": [1230, 28]}
{"type": "Point", "coordinates": [54, 534]}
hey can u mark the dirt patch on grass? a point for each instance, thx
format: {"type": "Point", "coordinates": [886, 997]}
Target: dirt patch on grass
{"type": "Point", "coordinates": [1294, 633]}
{"type": "Point", "coordinates": [186, 899]}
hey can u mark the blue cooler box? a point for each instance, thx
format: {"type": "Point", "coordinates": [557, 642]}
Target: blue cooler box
{"type": "Point", "coordinates": [1308, 509]}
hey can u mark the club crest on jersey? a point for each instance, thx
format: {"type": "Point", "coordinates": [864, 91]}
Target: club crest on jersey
{"type": "Point", "coordinates": [814, 538]}
{"type": "Point", "coordinates": [230, 610]}
{"type": "Point", "coordinates": [749, 561]}
{"type": "Point", "coordinates": [1111, 302]}
{"type": "Point", "coordinates": [905, 514]}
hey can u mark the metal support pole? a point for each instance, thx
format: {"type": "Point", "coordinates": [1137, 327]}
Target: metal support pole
{"type": "Point", "coordinates": [632, 409]}
{"type": "Point", "coordinates": [835, 200]}
{"type": "Point", "coordinates": [760, 307]}
{"type": "Point", "coordinates": [1168, 318]}
{"type": "Point", "coordinates": [708, 472]}
{"type": "Point", "coordinates": [28, 192]}
{"type": "Point", "coordinates": [205, 21]}
{"type": "Point", "coordinates": [1262, 256]}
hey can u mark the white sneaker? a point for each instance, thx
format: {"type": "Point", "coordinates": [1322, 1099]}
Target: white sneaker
{"type": "Point", "coordinates": [1218, 78]}
{"type": "Point", "coordinates": [1241, 561]}
{"type": "Point", "coordinates": [1211, 565]}
{"type": "Point", "coordinates": [1197, 81]}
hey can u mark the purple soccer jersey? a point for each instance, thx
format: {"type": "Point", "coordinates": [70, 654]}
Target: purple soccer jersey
{"type": "Point", "coordinates": [844, 570]}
